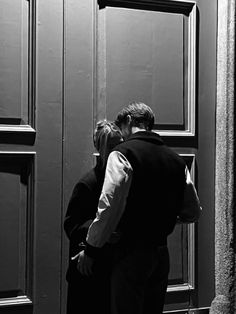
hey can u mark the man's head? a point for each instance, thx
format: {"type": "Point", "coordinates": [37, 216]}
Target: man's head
{"type": "Point", "coordinates": [106, 136]}
{"type": "Point", "coordinates": [136, 116]}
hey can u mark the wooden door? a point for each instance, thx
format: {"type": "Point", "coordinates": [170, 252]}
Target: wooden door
{"type": "Point", "coordinates": [31, 57]}
{"type": "Point", "coordinates": [66, 64]}
{"type": "Point", "coordinates": [164, 54]}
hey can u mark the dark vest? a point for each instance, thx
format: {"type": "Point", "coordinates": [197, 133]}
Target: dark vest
{"type": "Point", "coordinates": [156, 191]}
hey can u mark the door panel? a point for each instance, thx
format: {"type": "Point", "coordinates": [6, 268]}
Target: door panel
{"type": "Point", "coordinates": [136, 71]}
{"type": "Point", "coordinates": [14, 35]}
{"type": "Point", "coordinates": [31, 127]}
{"type": "Point", "coordinates": [15, 55]}
{"type": "Point", "coordinates": [16, 176]}
{"type": "Point", "coordinates": [154, 61]}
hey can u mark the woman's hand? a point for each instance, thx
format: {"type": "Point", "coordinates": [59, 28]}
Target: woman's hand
{"type": "Point", "coordinates": [85, 264]}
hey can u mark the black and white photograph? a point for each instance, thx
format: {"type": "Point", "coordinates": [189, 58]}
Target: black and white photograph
{"type": "Point", "coordinates": [117, 157]}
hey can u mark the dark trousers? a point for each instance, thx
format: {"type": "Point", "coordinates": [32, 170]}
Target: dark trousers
{"type": "Point", "coordinates": [139, 280]}
{"type": "Point", "coordinates": [90, 294]}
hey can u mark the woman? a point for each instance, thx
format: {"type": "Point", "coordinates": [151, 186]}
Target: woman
{"type": "Point", "coordinates": [89, 294]}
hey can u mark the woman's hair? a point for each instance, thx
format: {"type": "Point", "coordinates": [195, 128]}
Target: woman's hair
{"type": "Point", "coordinates": [106, 136]}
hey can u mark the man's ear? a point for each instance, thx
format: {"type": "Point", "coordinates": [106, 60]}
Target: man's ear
{"type": "Point", "coordinates": [129, 119]}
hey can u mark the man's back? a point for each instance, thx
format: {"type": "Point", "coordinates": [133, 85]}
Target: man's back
{"type": "Point", "coordinates": [156, 191]}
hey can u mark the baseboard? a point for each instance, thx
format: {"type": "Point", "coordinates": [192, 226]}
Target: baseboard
{"type": "Point", "coordinates": [204, 310]}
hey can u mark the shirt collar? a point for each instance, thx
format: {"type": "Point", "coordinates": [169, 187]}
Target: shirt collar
{"type": "Point", "coordinates": [147, 136]}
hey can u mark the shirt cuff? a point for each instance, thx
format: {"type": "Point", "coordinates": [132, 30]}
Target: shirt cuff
{"type": "Point", "coordinates": [92, 251]}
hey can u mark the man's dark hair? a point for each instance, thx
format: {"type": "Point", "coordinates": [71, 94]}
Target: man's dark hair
{"type": "Point", "coordinates": [141, 115]}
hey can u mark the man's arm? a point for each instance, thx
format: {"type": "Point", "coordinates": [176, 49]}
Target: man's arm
{"type": "Point", "coordinates": [111, 206]}
{"type": "Point", "coordinates": [112, 202]}
{"type": "Point", "coordinates": [191, 209]}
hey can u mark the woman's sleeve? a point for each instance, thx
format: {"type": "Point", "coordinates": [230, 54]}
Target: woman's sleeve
{"type": "Point", "coordinates": [78, 216]}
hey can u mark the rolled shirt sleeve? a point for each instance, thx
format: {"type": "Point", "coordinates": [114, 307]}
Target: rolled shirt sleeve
{"type": "Point", "coordinates": [191, 209]}
{"type": "Point", "coordinates": [112, 201]}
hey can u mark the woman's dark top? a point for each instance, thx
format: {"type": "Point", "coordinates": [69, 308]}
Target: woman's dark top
{"type": "Point", "coordinates": [86, 294]}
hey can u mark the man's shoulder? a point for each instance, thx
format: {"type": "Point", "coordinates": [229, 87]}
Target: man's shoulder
{"type": "Point", "coordinates": [122, 147]}
{"type": "Point", "coordinates": [173, 153]}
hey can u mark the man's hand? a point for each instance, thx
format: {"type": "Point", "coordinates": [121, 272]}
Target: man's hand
{"type": "Point", "coordinates": [85, 264]}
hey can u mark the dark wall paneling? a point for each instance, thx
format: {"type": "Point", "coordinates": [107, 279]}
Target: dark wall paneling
{"type": "Point", "coordinates": [16, 227]}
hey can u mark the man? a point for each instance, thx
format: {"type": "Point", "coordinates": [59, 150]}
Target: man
{"type": "Point", "coordinates": [147, 187]}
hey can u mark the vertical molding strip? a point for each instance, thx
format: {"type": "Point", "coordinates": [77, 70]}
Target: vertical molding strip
{"type": "Point", "coordinates": [192, 29]}
{"type": "Point", "coordinates": [32, 64]}
{"type": "Point", "coordinates": [225, 294]}
{"type": "Point", "coordinates": [101, 63]}
{"type": "Point", "coordinates": [63, 161]}
{"type": "Point", "coordinates": [95, 61]}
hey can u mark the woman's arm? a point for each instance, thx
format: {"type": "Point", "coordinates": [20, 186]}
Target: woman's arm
{"type": "Point", "coordinates": [79, 213]}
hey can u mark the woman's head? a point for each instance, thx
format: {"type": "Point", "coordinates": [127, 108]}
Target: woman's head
{"type": "Point", "coordinates": [106, 136]}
